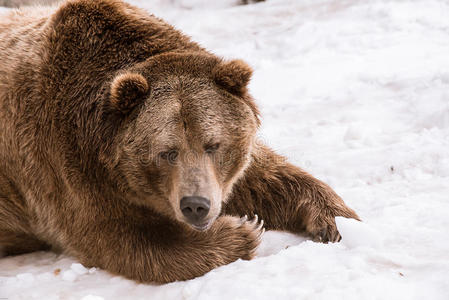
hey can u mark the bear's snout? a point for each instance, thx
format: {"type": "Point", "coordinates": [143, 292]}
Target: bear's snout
{"type": "Point", "coordinates": [195, 210]}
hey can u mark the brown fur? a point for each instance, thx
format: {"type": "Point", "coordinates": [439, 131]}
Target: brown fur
{"type": "Point", "coordinates": [126, 91]}
{"type": "Point", "coordinates": [233, 76]}
{"type": "Point", "coordinates": [108, 116]}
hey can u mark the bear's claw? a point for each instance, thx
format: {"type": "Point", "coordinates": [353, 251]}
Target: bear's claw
{"type": "Point", "coordinates": [253, 222]}
{"type": "Point", "coordinates": [243, 219]}
{"type": "Point", "coordinates": [241, 235]}
{"type": "Point", "coordinates": [327, 234]}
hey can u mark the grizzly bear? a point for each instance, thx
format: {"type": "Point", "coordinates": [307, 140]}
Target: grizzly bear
{"type": "Point", "coordinates": [131, 148]}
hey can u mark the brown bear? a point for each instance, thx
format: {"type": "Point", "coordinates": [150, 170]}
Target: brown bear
{"type": "Point", "coordinates": [128, 146]}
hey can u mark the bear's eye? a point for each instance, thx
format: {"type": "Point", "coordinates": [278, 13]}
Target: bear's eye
{"type": "Point", "coordinates": [211, 148]}
{"type": "Point", "coordinates": [170, 155]}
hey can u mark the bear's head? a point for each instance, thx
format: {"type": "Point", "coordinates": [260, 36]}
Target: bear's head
{"type": "Point", "coordinates": [188, 128]}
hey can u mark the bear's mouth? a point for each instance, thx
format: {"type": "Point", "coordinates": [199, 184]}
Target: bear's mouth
{"type": "Point", "coordinates": [202, 226]}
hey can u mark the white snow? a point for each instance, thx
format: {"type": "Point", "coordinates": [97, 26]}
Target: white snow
{"type": "Point", "coordinates": [92, 297]}
{"type": "Point", "coordinates": [69, 275]}
{"type": "Point", "coordinates": [357, 93]}
{"type": "Point", "coordinates": [358, 234]}
{"type": "Point", "coordinates": [79, 269]}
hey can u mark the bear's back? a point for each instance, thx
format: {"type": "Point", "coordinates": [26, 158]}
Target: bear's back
{"type": "Point", "coordinates": [20, 34]}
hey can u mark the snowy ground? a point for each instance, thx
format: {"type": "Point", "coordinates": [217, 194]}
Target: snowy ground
{"type": "Point", "coordinates": [357, 93]}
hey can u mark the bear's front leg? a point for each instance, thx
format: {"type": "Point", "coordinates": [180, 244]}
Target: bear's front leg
{"type": "Point", "coordinates": [162, 250]}
{"type": "Point", "coordinates": [287, 198]}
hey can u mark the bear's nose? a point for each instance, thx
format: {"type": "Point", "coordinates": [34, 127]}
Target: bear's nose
{"type": "Point", "coordinates": [194, 208]}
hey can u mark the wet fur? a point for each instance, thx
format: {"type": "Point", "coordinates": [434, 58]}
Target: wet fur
{"type": "Point", "coordinates": [68, 146]}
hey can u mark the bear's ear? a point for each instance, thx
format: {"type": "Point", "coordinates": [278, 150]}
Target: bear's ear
{"type": "Point", "coordinates": [234, 76]}
{"type": "Point", "coordinates": [127, 90]}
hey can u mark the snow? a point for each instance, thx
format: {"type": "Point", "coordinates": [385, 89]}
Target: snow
{"type": "Point", "coordinates": [355, 92]}
{"type": "Point", "coordinates": [358, 234]}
